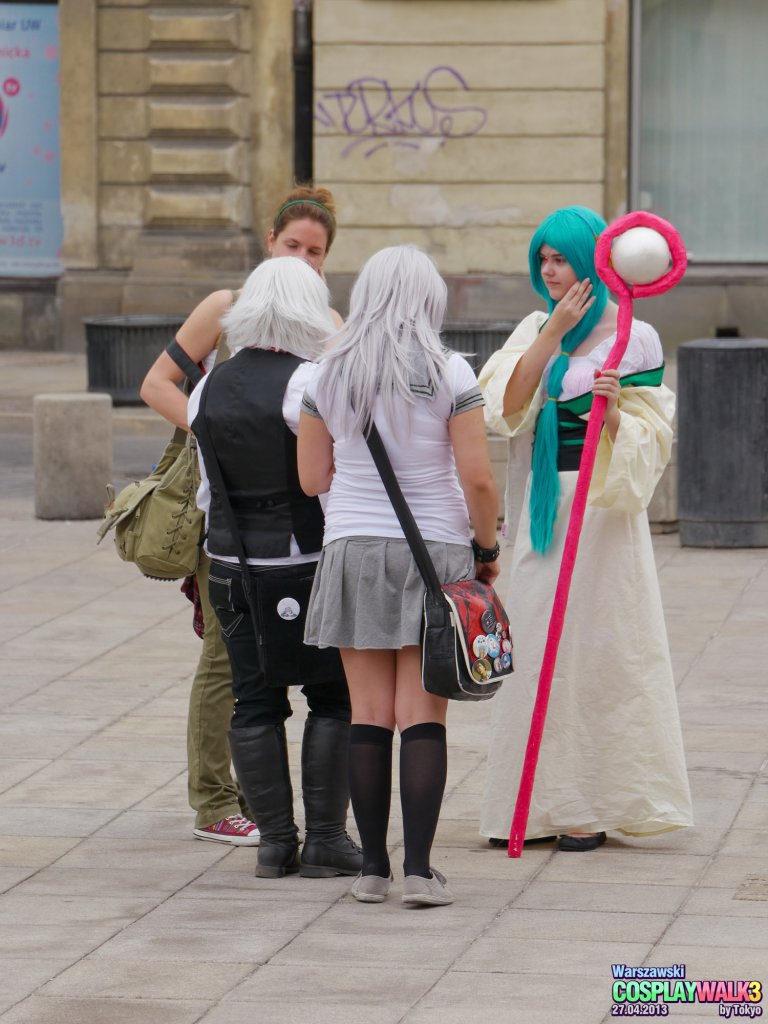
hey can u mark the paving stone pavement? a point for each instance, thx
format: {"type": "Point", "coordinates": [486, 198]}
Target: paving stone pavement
{"type": "Point", "coordinates": [112, 912]}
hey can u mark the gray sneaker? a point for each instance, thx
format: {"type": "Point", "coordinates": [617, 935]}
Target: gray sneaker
{"type": "Point", "coordinates": [371, 888]}
{"type": "Point", "coordinates": [431, 892]}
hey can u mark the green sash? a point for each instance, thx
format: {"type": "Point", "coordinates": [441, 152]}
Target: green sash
{"type": "Point", "coordinates": [572, 429]}
{"type": "Point", "coordinates": [645, 379]}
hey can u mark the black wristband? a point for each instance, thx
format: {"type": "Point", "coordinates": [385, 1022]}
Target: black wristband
{"type": "Point", "coordinates": [485, 554]}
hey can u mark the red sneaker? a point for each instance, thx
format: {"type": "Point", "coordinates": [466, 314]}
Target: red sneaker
{"type": "Point", "coordinates": [235, 830]}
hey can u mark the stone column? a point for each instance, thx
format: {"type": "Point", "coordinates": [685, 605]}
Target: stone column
{"type": "Point", "coordinates": [174, 146]}
{"type": "Point", "coordinates": [189, 142]}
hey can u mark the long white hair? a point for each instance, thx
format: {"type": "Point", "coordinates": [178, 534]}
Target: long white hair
{"type": "Point", "coordinates": [284, 305]}
{"type": "Point", "coordinates": [391, 339]}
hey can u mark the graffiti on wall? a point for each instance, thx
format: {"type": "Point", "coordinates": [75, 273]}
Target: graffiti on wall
{"type": "Point", "coordinates": [376, 116]}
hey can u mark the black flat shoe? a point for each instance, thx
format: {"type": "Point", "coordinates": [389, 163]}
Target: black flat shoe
{"type": "Point", "coordinates": [580, 844]}
{"type": "Point", "coordinates": [502, 844]}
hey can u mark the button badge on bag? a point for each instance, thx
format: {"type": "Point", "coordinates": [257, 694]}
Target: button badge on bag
{"type": "Point", "coordinates": [492, 646]}
{"type": "Point", "coordinates": [480, 646]}
{"type": "Point", "coordinates": [288, 608]}
{"type": "Point", "coordinates": [481, 670]}
{"type": "Point", "coordinates": [488, 620]}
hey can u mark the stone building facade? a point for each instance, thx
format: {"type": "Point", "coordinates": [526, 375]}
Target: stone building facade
{"type": "Point", "coordinates": [178, 127]}
{"type": "Point", "coordinates": [459, 125]}
{"type": "Point", "coordinates": [454, 124]}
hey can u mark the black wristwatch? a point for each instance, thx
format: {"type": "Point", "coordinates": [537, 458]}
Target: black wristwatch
{"type": "Point", "coordinates": [485, 554]}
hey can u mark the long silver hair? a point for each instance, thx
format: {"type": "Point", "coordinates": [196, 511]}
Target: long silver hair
{"type": "Point", "coordinates": [284, 305]}
{"type": "Point", "coordinates": [390, 344]}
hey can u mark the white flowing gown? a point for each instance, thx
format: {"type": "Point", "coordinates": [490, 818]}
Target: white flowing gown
{"type": "Point", "coordinates": [611, 754]}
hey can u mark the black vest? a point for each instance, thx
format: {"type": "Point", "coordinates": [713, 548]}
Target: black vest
{"type": "Point", "coordinates": [257, 455]}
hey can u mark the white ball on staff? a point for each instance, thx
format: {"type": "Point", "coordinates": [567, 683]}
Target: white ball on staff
{"type": "Point", "coordinates": [640, 256]}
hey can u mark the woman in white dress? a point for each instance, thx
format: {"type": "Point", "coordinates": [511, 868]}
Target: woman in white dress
{"type": "Point", "coordinates": [611, 756]}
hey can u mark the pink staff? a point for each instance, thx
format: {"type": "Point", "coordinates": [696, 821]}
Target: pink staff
{"type": "Point", "coordinates": [637, 258]}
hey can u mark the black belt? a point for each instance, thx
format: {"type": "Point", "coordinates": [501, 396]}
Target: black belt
{"type": "Point", "coordinates": [569, 458]}
{"type": "Point", "coordinates": [572, 431]}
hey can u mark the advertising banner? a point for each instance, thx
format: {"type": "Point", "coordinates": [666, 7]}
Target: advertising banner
{"type": "Point", "coordinates": [30, 213]}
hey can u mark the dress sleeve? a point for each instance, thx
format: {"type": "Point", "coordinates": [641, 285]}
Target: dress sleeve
{"type": "Point", "coordinates": [494, 376]}
{"type": "Point", "coordinates": [644, 351]}
{"type": "Point", "coordinates": [627, 470]}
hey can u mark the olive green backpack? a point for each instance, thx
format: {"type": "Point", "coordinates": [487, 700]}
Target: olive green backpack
{"type": "Point", "coordinates": [157, 523]}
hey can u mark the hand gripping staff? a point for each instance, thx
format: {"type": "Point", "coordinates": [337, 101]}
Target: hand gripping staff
{"type": "Point", "coordinates": [635, 263]}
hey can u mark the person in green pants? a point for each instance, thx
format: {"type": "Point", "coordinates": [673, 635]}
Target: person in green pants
{"type": "Point", "coordinates": [304, 226]}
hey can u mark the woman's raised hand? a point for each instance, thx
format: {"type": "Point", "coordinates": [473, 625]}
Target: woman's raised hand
{"type": "Point", "coordinates": [572, 307]}
{"type": "Point", "coordinates": [566, 314]}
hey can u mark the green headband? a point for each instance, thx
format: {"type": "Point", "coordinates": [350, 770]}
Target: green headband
{"type": "Point", "coordinates": [303, 202]}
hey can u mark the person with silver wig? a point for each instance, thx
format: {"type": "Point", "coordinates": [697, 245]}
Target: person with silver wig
{"type": "Point", "coordinates": [389, 366]}
{"type": "Point", "coordinates": [245, 415]}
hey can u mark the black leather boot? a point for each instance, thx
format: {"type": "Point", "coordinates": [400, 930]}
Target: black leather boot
{"type": "Point", "coordinates": [260, 757]}
{"type": "Point", "coordinates": [327, 850]}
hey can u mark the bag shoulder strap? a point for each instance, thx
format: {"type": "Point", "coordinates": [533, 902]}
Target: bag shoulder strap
{"type": "Point", "coordinates": [191, 370]}
{"type": "Point", "coordinates": [403, 512]}
{"type": "Point", "coordinates": [222, 349]}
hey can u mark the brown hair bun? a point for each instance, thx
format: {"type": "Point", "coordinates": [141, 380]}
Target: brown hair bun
{"type": "Point", "coordinates": [307, 202]}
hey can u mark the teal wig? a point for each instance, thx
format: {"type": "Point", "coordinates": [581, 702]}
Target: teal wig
{"type": "Point", "coordinates": [573, 233]}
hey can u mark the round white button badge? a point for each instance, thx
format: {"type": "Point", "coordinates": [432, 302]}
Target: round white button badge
{"type": "Point", "coordinates": [288, 608]}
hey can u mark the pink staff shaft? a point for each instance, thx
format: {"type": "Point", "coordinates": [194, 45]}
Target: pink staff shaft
{"type": "Point", "coordinates": [594, 424]}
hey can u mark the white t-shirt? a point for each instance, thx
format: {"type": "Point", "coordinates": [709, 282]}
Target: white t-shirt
{"type": "Point", "coordinates": [422, 457]}
{"type": "Point", "coordinates": [299, 379]}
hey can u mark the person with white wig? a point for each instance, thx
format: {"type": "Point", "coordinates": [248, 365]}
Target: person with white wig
{"type": "Point", "coordinates": [390, 367]}
{"type": "Point", "coordinates": [245, 415]}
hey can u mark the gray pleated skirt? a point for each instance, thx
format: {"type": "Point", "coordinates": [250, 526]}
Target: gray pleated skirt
{"type": "Point", "coordinates": [368, 593]}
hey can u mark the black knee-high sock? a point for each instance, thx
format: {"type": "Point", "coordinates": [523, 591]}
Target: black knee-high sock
{"type": "Point", "coordinates": [370, 786]}
{"type": "Point", "coordinates": [423, 768]}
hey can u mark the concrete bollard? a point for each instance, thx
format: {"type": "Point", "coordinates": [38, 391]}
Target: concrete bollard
{"type": "Point", "coordinates": [72, 444]}
{"type": "Point", "coordinates": [723, 470]}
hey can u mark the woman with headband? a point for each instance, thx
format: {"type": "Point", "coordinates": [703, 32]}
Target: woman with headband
{"type": "Point", "coordinates": [611, 755]}
{"type": "Point", "coordinates": [304, 226]}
